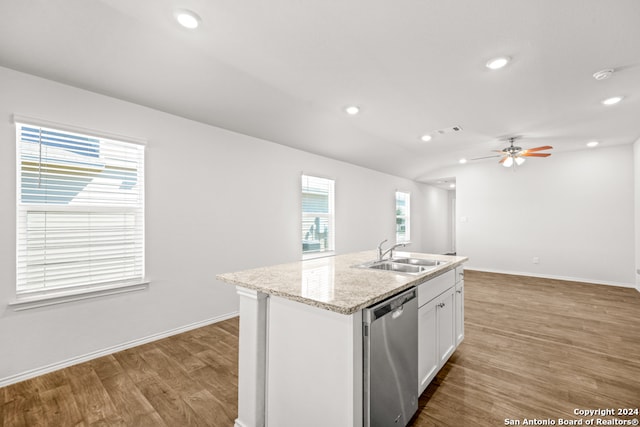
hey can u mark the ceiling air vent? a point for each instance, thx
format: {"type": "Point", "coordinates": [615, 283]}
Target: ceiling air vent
{"type": "Point", "coordinates": [449, 130]}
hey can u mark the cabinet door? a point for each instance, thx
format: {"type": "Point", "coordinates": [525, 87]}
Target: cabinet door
{"type": "Point", "coordinates": [427, 344]}
{"type": "Point", "coordinates": [446, 320]}
{"type": "Point", "coordinates": [459, 312]}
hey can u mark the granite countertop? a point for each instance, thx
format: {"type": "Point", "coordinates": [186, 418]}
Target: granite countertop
{"type": "Point", "coordinates": [332, 283]}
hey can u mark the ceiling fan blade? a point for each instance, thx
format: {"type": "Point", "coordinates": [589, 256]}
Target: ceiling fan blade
{"type": "Point", "coordinates": [525, 154]}
{"type": "Point", "coordinates": [503, 159]}
{"type": "Point", "coordinates": [486, 157]}
{"type": "Point", "coordinates": [546, 147]}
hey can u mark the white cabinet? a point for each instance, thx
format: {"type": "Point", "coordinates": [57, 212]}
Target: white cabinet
{"type": "Point", "coordinates": [436, 326]}
{"type": "Point", "coordinates": [459, 306]}
{"type": "Point", "coordinates": [428, 360]}
{"type": "Point", "coordinates": [445, 315]}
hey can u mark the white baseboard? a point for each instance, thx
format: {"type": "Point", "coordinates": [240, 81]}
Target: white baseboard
{"type": "Point", "coordinates": [550, 276]}
{"type": "Point", "coordinates": [110, 350]}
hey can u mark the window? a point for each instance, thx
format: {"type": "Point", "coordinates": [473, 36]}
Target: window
{"type": "Point", "coordinates": [80, 211]}
{"type": "Point", "coordinates": [403, 223]}
{"type": "Point", "coordinates": [317, 215]}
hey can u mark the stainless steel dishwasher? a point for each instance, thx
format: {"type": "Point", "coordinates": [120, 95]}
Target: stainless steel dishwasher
{"type": "Point", "coordinates": [390, 379]}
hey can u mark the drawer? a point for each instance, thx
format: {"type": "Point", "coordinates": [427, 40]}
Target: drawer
{"type": "Point", "coordinates": [434, 287]}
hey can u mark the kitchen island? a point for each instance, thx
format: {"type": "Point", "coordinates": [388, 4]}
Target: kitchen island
{"type": "Point", "coordinates": [300, 346]}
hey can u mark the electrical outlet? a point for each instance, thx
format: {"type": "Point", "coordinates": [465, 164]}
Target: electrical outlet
{"type": "Point", "coordinates": [536, 260]}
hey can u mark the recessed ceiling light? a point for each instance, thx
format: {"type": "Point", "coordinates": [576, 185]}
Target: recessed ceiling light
{"type": "Point", "coordinates": [352, 110]}
{"type": "Point", "coordinates": [188, 19]}
{"type": "Point", "coordinates": [612, 101]}
{"type": "Point", "coordinates": [426, 138]}
{"type": "Point", "coordinates": [592, 143]}
{"type": "Point", "coordinates": [462, 161]}
{"type": "Point", "coordinates": [452, 186]}
{"type": "Point", "coordinates": [497, 63]}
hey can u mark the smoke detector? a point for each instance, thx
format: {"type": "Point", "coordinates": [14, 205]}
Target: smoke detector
{"type": "Point", "coordinates": [603, 74]}
{"type": "Point", "coordinates": [449, 130]}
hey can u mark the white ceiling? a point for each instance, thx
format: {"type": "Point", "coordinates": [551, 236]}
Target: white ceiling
{"type": "Point", "coordinates": [283, 70]}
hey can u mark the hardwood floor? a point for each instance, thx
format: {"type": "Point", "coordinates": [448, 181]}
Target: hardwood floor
{"type": "Point", "coordinates": [534, 348]}
{"type": "Point", "coordinates": [538, 348]}
{"type": "Point", "coordinates": [185, 380]}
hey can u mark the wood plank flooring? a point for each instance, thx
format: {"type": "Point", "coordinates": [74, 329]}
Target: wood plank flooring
{"type": "Point", "coordinates": [534, 348]}
{"type": "Point", "coordinates": [538, 349]}
{"type": "Point", "coordinates": [185, 380]}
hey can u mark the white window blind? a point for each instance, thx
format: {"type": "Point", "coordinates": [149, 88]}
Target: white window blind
{"type": "Point", "coordinates": [317, 214]}
{"type": "Point", "coordinates": [80, 210]}
{"type": "Point", "coordinates": [403, 220]}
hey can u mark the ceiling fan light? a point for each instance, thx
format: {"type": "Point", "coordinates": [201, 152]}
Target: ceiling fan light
{"type": "Point", "coordinates": [508, 163]}
{"type": "Point", "coordinates": [520, 160]}
{"type": "Point", "coordinates": [603, 74]}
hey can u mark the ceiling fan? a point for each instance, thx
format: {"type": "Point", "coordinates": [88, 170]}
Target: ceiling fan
{"type": "Point", "coordinates": [514, 156]}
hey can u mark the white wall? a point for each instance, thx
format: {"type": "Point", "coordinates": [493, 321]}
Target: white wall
{"type": "Point", "coordinates": [436, 224]}
{"type": "Point", "coordinates": [452, 221]}
{"type": "Point", "coordinates": [216, 201]}
{"type": "Point", "coordinates": [636, 168]}
{"type": "Point", "coordinates": [574, 211]}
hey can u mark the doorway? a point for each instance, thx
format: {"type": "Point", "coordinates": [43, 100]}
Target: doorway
{"type": "Point", "coordinates": [440, 216]}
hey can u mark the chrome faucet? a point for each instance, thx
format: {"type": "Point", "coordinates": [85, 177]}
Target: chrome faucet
{"type": "Point", "coordinates": [389, 251]}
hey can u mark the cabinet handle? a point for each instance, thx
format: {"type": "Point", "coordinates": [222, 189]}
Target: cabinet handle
{"type": "Point", "coordinates": [458, 291]}
{"type": "Point", "coordinates": [441, 305]}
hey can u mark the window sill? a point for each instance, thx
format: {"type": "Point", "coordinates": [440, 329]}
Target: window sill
{"type": "Point", "coordinates": [27, 302]}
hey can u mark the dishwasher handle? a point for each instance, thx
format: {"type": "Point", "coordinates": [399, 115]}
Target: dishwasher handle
{"type": "Point", "coordinates": [398, 312]}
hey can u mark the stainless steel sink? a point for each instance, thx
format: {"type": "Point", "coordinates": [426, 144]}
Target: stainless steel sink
{"type": "Point", "coordinates": [403, 265]}
{"type": "Point", "coordinates": [419, 261]}
{"type": "Point", "coordinates": [397, 267]}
